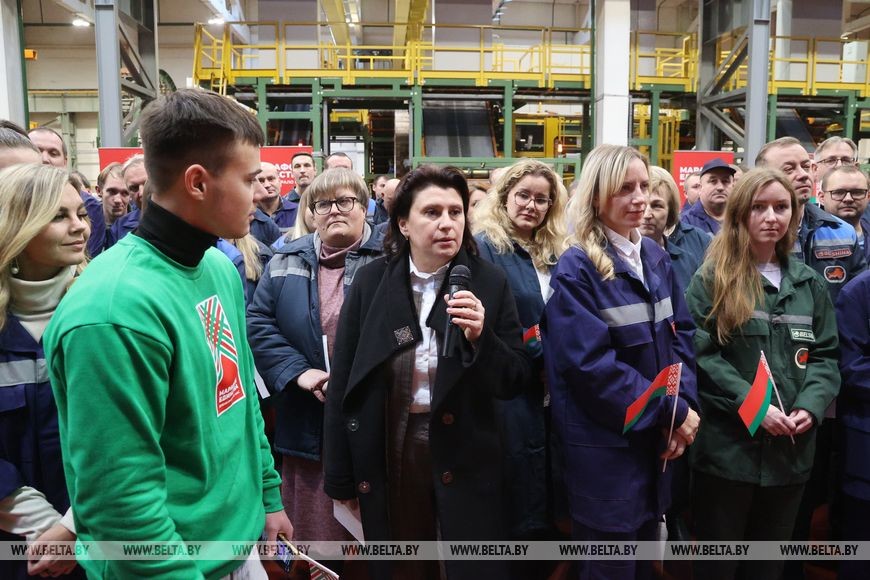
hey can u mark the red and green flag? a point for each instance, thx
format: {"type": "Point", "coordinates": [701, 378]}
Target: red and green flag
{"type": "Point", "coordinates": [532, 336]}
{"type": "Point", "coordinates": [754, 407]}
{"type": "Point", "coordinates": [667, 382]}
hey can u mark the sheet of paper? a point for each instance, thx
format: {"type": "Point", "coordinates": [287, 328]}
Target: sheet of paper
{"type": "Point", "coordinates": [350, 519]}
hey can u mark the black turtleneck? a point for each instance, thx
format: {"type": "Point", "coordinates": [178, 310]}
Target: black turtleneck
{"type": "Point", "coordinates": [173, 236]}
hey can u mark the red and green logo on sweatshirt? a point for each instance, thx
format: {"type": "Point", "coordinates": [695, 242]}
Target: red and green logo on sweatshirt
{"type": "Point", "coordinates": [219, 336]}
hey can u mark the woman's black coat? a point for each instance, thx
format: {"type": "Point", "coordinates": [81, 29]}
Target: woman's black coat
{"type": "Point", "coordinates": [378, 320]}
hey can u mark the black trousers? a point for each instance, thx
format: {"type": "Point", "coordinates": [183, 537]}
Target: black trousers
{"type": "Point", "coordinates": [726, 510]}
{"type": "Point", "coordinates": [856, 527]}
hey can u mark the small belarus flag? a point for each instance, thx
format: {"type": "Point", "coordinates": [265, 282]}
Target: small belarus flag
{"type": "Point", "coordinates": [532, 336]}
{"type": "Point", "coordinates": [665, 383]}
{"type": "Point", "coordinates": [754, 407]}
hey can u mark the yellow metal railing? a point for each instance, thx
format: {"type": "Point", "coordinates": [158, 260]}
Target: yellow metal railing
{"type": "Point", "coordinates": [283, 52]}
{"type": "Point", "coordinates": [288, 51]}
{"type": "Point", "coordinates": [806, 64]}
{"type": "Point", "coordinates": [663, 58]}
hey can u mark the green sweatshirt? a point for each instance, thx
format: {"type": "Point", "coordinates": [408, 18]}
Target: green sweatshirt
{"type": "Point", "coordinates": [160, 425]}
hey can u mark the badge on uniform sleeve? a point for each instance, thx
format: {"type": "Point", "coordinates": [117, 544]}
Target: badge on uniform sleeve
{"type": "Point", "coordinates": [835, 274]}
{"type": "Point", "coordinates": [801, 357]}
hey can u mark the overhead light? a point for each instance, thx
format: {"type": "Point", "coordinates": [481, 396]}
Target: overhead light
{"type": "Point", "coordinates": [81, 23]}
{"type": "Point", "coordinates": [217, 20]}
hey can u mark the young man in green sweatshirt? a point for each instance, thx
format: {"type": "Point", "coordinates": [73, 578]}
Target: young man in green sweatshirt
{"type": "Point", "coordinates": [161, 433]}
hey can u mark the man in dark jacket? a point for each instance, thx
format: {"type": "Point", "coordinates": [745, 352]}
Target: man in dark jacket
{"type": "Point", "coordinates": [716, 184]}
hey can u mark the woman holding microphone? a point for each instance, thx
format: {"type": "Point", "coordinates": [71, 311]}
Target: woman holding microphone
{"type": "Point", "coordinates": [410, 427]}
{"type": "Point", "coordinates": [615, 321]}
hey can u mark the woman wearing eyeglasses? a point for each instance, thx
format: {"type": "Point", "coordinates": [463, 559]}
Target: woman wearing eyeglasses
{"type": "Point", "coordinates": [293, 316]}
{"type": "Point", "coordinates": [520, 227]}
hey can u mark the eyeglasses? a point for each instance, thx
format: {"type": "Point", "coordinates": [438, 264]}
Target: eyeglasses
{"type": "Point", "coordinates": [840, 194]}
{"type": "Point", "coordinates": [522, 198]}
{"type": "Point", "coordinates": [324, 206]}
{"type": "Point", "coordinates": [833, 161]}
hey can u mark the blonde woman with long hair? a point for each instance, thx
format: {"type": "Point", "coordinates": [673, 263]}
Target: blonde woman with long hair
{"type": "Point", "coordinates": [752, 296]}
{"type": "Point", "coordinates": [615, 320]}
{"type": "Point", "coordinates": [520, 227]}
{"type": "Point", "coordinates": [44, 230]}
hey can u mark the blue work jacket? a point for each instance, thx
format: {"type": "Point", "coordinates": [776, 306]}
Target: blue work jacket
{"type": "Point", "coordinates": [829, 246]}
{"type": "Point", "coordinates": [122, 226]}
{"type": "Point", "coordinates": [853, 404]}
{"type": "Point", "coordinates": [286, 337]}
{"type": "Point", "coordinates": [521, 422]}
{"type": "Point", "coordinates": [696, 216]}
{"type": "Point", "coordinates": [264, 229]}
{"type": "Point", "coordinates": [605, 341]}
{"type": "Point", "coordinates": [285, 216]}
{"type": "Point", "coordinates": [97, 239]}
{"type": "Point", "coordinates": [686, 246]}
{"type": "Point", "coordinates": [29, 437]}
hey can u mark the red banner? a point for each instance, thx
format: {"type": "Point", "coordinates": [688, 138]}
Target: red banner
{"type": "Point", "coordinates": [116, 154]}
{"type": "Point", "coordinates": [279, 156]}
{"type": "Point", "coordinates": [688, 162]}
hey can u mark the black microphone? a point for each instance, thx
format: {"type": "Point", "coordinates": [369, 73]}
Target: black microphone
{"type": "Point", "coordinates": [460, 279]}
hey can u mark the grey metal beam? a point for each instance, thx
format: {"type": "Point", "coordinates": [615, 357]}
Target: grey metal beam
{"type": "Point", "coordinates": [70, 102]}
{"type": "Point", "coordinates": [728, 67]}
{"type": "Point", "coordinates": [759, 61]}
{"type": "Point", "coordinates": [724, 124]}
{"type": "Point", "coordinates": [704, 128]}
{"type": "Point", "coordinates": [731, 97]}
{"type": "Point", "coordinates": [108, 72]}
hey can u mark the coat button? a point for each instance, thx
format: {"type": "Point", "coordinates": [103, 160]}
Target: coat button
{"type": "Point", "coordinates": [352, 425]}
{"type": "Point", "coordinates": [447, 477]}
{"type": "Point", "coordinates": [364, 487]}
{"type": "Point", "coordinates": [448, 418]}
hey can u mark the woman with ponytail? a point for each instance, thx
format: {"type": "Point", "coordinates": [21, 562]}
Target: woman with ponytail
{"type": "Point", "coordinates": [615, 321]}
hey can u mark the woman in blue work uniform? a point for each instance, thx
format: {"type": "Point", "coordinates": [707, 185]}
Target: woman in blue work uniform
{"type": "Point", "coordinates": [44, 230]}
{"type": "Point", "coordinates": [615, 320]}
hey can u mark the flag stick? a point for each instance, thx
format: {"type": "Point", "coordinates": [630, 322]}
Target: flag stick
{"type": "Point", "coordinates": [776, 392]}
{"type": "Point", "coordinates": [674, 412]}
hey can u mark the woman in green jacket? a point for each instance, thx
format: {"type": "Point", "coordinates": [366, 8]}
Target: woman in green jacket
{"type": "Point", "coordinates": [751, 296]}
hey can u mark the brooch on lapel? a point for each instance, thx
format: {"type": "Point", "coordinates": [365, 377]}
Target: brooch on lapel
{"type": "Point", "coordinates": [403, 335]}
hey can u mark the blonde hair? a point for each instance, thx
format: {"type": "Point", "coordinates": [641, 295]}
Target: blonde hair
{"type": "Point", "coordinates": [250, 251]}
{"type": "Point", "coordinates": [300, 228]}
{"type": "Point", "coordinates": [661, 182]}
{"type": "Point", "coordinates": [328, 182]}
{"type": "Point", "coordinates": [602, 176]}
{"type": "Point", "coordinates": [30, 196]}
{"type": "Point", "coordinates": [730, 270]}
{"type": "Point", "coordinates": [491, 218]}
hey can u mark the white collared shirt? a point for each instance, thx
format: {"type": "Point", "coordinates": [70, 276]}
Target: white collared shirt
{"type": "Point", "coordinates": [627, 249]}
{"type": "Point", "coordinates": [425, 286]}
